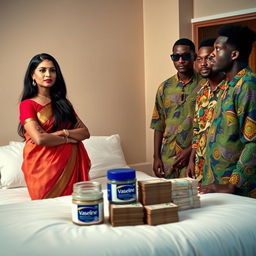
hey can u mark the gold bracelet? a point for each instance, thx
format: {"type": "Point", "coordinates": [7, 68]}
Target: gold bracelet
{"type": "Point", "coordinates": [66, 132]}
{"type": "Point", "coordinates": [65, 140]}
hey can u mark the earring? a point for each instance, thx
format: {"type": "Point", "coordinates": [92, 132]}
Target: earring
{"type": "Point", "coordinates": [34, 82]}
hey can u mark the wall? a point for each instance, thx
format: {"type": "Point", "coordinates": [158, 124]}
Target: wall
{"type": "Point", "coordinates": [185, 16]}
{"type": "Point", "coordinates": [204, 8]}
{"type": "Point", "coordinates": [161, 30]}
{"type": "Point", "coordinates": [99, 46]}
{"type": "Point", "coordinates": [165, 22]}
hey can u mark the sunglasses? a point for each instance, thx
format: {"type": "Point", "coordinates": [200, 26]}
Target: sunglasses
{"type": "Point", "coordinates": [184, 56]}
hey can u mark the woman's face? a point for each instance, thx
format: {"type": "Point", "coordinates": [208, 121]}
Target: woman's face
{"type": "Point", "coordinates": [45, 74]}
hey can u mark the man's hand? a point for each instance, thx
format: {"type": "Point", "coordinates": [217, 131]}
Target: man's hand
{"type": "Point", "coordinates": [190, 172]}
{"type": "Point", "coordinates": [182, 158]}
{"type": "Point", "coordinates": [158, 167]}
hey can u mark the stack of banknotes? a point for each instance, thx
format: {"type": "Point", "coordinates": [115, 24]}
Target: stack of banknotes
{"type": "Point", "coordinates": [126, 214]}
{"type": "Point", "coordinates": [161, 213]}
{"type": "Point", "coordinates": [185, 193]}
{"type": "Point", "coordinates": [155, 195]}
{"type": "Point", "coordinates": [155, 191]}
{"type": "Point", "coordinates": [159, 202]}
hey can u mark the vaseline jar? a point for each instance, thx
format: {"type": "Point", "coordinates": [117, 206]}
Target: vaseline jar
{"type": "Point", "coordinates": [87, 203]}
{"type": "Point", "coordinates": [121, 186]}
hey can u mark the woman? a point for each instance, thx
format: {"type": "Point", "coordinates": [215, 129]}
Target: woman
{"type": "Point", "coordinates": [54, 158]}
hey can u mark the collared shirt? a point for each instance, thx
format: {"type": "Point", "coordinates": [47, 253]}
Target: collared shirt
{"type": "Point", "coordinates": [173, 114]}
{"type": "Point", "coordinates": [204, 109]}
{"type": "Point", "coordinates": [231, 142]}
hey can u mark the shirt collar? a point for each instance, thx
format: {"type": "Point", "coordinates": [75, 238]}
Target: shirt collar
{"type": "Point", "coordinates": [238, 76]}
{"type": "Point", "coordinates": [221, 86]}
{"type": "Point", "coordinates": [180, 83]}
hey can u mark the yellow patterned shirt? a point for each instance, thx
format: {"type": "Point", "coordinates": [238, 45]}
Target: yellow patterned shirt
{"type": "Point", "coordinates": [205, 104]}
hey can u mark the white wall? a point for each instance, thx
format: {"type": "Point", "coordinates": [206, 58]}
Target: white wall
{"type": "Point", "coordinates": [161, 30]}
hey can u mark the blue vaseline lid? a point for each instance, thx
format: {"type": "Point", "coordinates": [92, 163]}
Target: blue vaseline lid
{"type": "Point", "coordinates": [121, 174]}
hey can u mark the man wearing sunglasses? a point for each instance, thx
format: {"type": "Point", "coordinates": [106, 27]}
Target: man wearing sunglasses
{"type": "Point", "coordinates": [173, 114]}
{"type": "Point", "coordinates": [211, 89]}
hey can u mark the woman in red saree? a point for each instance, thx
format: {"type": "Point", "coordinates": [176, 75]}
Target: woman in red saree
{"type": "Point", "coordinates": [54, 157]}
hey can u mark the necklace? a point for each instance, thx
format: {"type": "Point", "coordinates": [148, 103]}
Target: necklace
{"type": "Point", "coordinates": [43, 96]}
{"type": "Point", "coordinates": [43, 100]}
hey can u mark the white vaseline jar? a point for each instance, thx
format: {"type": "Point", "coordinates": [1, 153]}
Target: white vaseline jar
{"type": "Point", "coordinates": [121, 186]}
{"type": "Point", "coordinates": [87, 203]}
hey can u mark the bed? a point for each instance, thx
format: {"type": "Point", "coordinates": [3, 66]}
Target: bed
{"type": "Point", "coordinates": [224, 225]}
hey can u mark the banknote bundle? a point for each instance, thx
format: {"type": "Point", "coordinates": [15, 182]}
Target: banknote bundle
{"type": "Point", "coordinates": [161, 213]}
{"type": "Point", "coordinates": [155, 191]}
{"type": "Point", "coordinates": [155, 195]}
{"type": "Point", "coordinates": [126, 214]}
{"type": "Point", "coordinates": [185, 193]}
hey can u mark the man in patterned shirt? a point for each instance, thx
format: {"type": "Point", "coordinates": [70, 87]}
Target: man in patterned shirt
{"type": "Point", "coordinates": [210, 90]}
{"type": "Point", "coordinates": [230, 164]}
{"type": "Point", "coordinates": [173, 114]}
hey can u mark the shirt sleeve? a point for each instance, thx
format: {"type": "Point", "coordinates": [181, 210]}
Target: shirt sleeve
{"type": "Point", "coordinates": [246, 109]}
{"type": "Point", "coordinates": [27, 111]}
{"type": "Point", "coordinates": [158, 117]}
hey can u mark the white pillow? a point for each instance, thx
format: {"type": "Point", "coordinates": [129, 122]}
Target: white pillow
{"type": "Point", "coordinates": [10, 165]}
{"type": "Point", "coordinates": [105, 153]}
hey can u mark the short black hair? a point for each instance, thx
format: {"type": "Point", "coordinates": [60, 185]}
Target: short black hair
{"type": "Point", "coordinates": [185, 41]}
{"type": "Point", "coordinates": [241, 37]}
{"type": "Point", "coordinates": [209, 42]}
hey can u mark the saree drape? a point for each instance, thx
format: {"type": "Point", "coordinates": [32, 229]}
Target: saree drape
{"type": "Point", "coordinates": [52, 171]}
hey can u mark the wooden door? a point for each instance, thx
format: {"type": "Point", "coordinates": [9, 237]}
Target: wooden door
{"type": "Point", "coordinates": [207, 29]}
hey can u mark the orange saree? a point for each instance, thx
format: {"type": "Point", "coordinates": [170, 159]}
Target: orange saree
{"type": "Point", "coordinates": [50, 171]}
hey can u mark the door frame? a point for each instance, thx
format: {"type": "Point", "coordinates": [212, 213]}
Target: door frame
{"type": "Point", "coordinates": [196, 26]}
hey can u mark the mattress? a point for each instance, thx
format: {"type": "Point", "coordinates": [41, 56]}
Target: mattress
{"type": "Point", "coordinates": [224, 225]}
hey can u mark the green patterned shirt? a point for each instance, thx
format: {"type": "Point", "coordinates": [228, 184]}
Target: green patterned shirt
{"type": "Point", "coordinates": [173, 114]}
{"type": "Point", "coordinates": [231, 142]}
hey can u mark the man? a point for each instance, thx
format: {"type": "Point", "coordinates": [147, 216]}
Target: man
{"type": "Point", "coordinates": [230, 164]}
{"type": "Point", "coordinates": [210, 90]}
{"type": "Point", "coordinates": [173, 114]}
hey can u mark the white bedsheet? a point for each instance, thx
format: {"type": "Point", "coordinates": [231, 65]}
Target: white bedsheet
{"type": "Point", "coordinates": [14, 195]}
{"type": "Point", "coordinates": [224, 225]}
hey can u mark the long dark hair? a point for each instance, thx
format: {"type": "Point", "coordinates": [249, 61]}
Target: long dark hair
{"type": "Point", "coordinates": [63, 111]}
